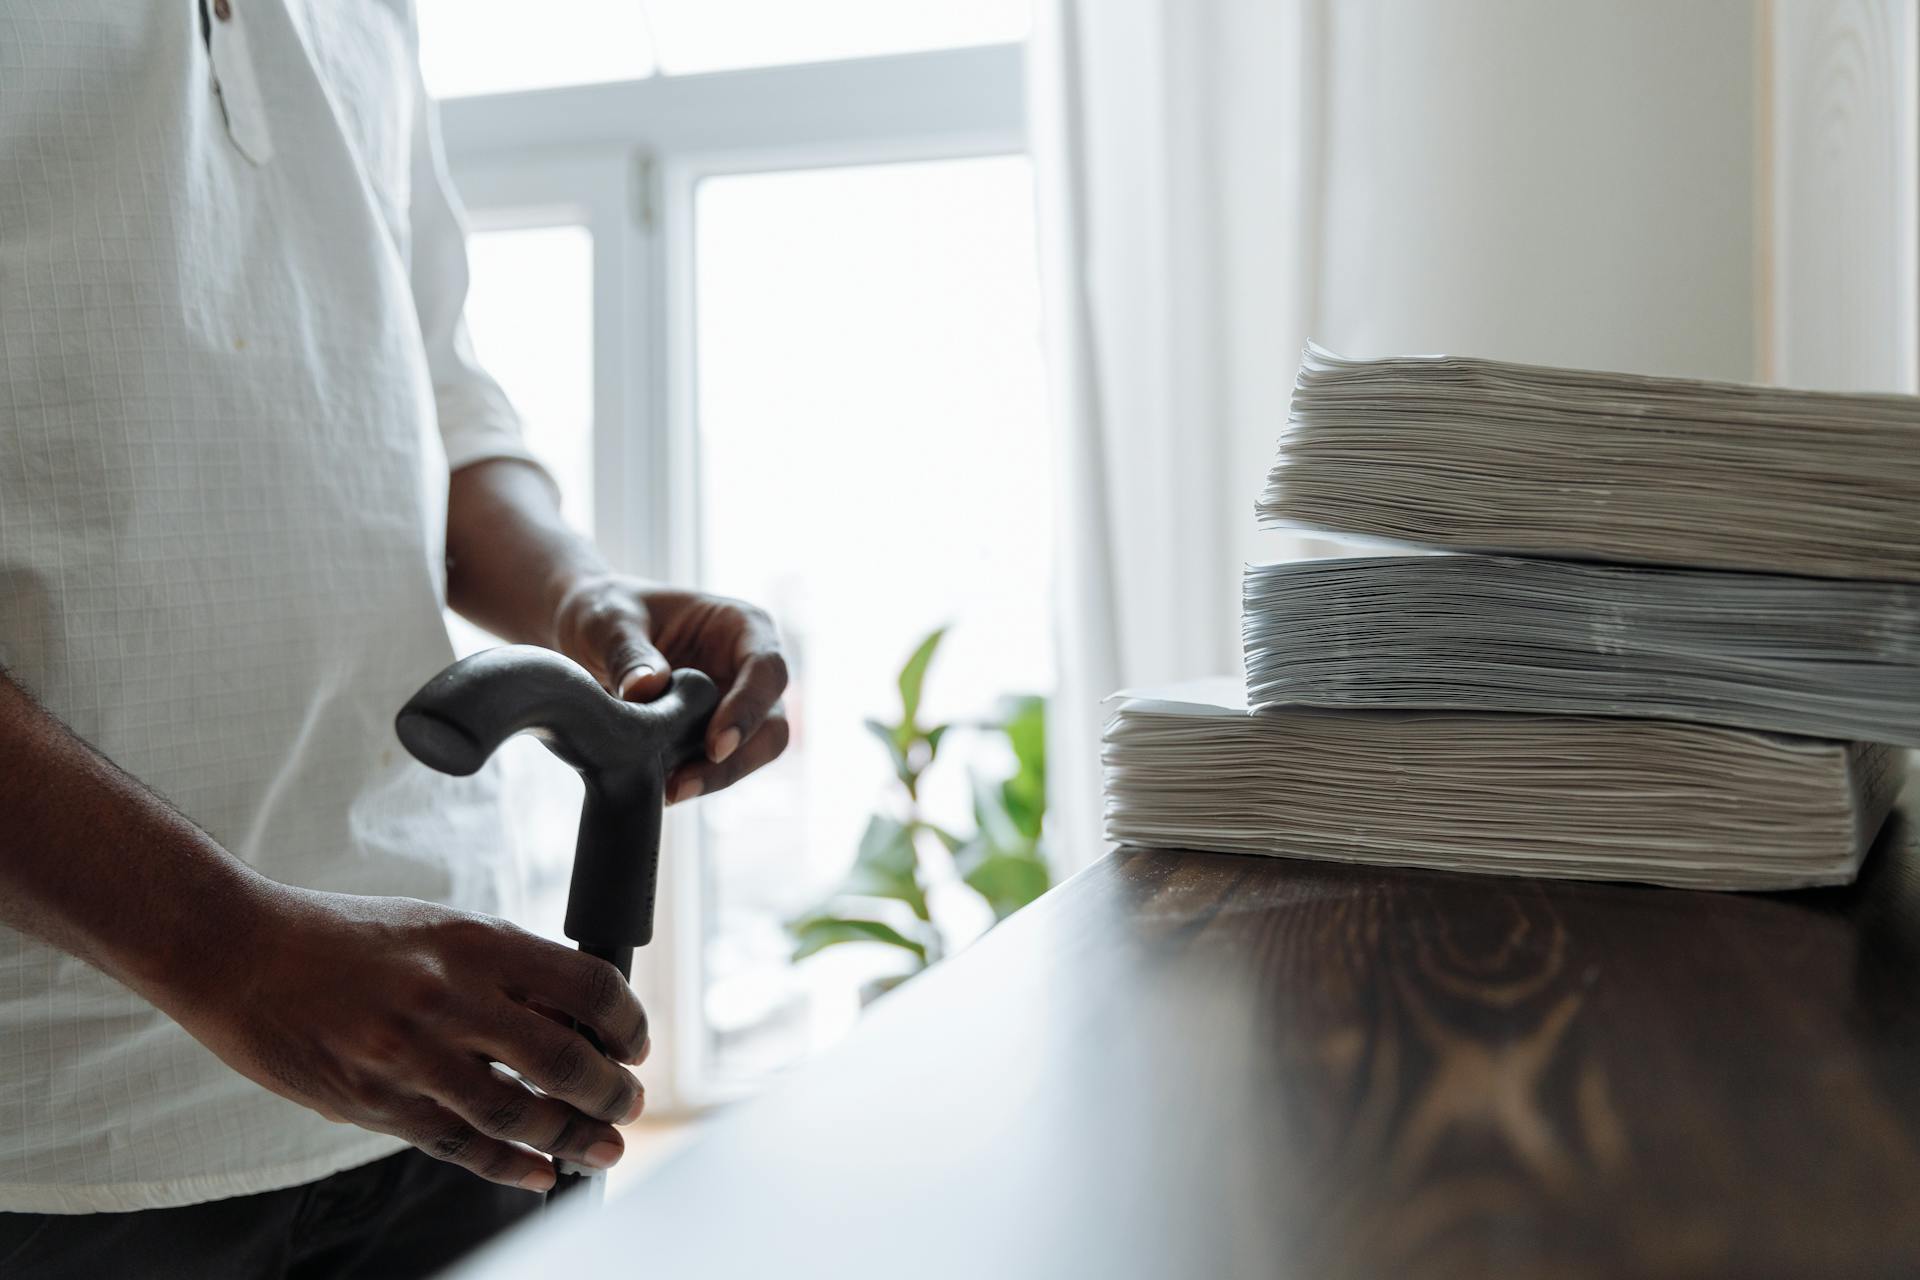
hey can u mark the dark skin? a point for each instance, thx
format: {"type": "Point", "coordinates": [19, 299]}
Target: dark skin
{"type": "Point", "coordinates": [388, 1013]}
{"type": "Point", "coordinates": [516, 569]}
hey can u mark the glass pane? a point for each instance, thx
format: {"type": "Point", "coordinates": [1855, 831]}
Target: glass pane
{"type": "Point", "coordinates": [530, 313]}
{"type": "Point", "coordinates": [495, 46]}
{"type": "Point", "coordinates": [874, 463]}
{"type": "Point", "coordinates": [709, 35]}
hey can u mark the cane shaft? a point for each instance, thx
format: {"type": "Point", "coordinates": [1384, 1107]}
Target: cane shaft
{"type": "Point", "coordinates": [571, 1182]}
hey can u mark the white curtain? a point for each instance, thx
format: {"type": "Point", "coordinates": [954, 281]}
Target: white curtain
{"type": "Point", "coordinates": [1173, 140]}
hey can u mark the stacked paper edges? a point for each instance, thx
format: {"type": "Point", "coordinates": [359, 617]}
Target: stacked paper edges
{"type": "Point", "coordinates": [1682, 726]}
{"type": "Point", "coordinates": [1693, 806]}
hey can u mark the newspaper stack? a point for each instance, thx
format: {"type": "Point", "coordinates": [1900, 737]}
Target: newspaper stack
{"type": "Point", "coordinates": [1475, 455]}
{"type": "Point", "coordinates": [1659, 802]}
{"type": "Point", "coordinates": [1687, 653]}
{"type": "Point", "coordinates": [1822, 657]}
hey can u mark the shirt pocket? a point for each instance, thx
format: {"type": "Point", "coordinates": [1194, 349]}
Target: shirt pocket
{"type": "Point", "coordinates": [236, 79]}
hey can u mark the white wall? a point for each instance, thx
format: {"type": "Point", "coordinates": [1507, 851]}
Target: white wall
{"type": "Point", "coordinates": [1561, 181]}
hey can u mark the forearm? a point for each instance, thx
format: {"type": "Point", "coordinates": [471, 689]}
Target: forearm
{"type": "Point", "coordinates": [511, 559]}
{"type": "Point", "coordinates": [94, 863]}
{"type": "Point", "coordinates": [382, 1012]}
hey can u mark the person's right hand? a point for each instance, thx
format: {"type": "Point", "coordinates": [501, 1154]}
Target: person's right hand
{"type": "Point", "coordinates": [388, 1013]}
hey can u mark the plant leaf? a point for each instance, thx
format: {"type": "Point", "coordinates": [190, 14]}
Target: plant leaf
{"type": "Point", "coordinates": [1024, 795]}
{"type": "Point", "coordinates": [944, 836]}
{"type": "Point", "coordinates": [887, 866]}
{"type": "Point", "coordinates": [889, 736]}
{"type": "Point", "coordinates": [968, 854]}
{"type": "Point", "coordinates": [1024, 800]}
{"type": "Point", "coordinates": [914, 675]}
{"type": "Point", "coordinates": [998, 828]}
{"type": "Point", "coordinates": [1023, 718]}
{"type": "Point", "coordinates": [820, 932]}
{"type": "Point", "coordinates": [1009, 881]}
{"type": "Point", "coordinates": [932, 739]}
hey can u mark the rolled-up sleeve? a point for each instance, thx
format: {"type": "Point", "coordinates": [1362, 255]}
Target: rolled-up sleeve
{"type": "Point", "coordinates": [477, 421]}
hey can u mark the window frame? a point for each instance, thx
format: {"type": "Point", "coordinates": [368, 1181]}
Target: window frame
{"type": "Point", "coordinates": [626, 161]}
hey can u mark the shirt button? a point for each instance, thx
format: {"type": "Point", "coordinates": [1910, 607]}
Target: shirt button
{"type": "Point", "coordinates": [223, 9]}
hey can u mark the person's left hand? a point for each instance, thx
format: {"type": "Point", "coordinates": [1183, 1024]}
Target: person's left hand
{"type": "Point", "coordinates": [631, 634]}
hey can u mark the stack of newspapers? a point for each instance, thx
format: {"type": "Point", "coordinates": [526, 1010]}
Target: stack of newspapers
{"type": "Point", "coordinates": [1619, 627]}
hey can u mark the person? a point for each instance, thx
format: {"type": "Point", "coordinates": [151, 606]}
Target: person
{"type": "Point", "coordinates": [255, 1001]}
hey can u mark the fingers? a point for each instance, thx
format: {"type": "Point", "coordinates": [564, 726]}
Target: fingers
{"type": "Point", "coordinates": [702, 777]}
{"type": "Point", "coordinates": [589, 990]}
{"type": "Point", "coordinates": [636, 670]}
{"type": "Point", "coordinates": [609, 633]}
{"type": "Point", "coordinates": [445, 1136]}
{"type": "Point", "coordinates": [498, 1106]}
{"type": "Point", "coordinates": [757, 685]}
{"type": "Point", "coordinates": [562, 1063]}
{"type": "Point", "coordinates": [613, 632]}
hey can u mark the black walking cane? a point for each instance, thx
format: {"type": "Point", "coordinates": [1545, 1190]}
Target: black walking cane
{"type": "Point", "coordinates": [623, 751]}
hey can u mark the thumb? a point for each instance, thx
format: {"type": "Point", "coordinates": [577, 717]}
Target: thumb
{"type": "Point", "coordinates": [637, 671]}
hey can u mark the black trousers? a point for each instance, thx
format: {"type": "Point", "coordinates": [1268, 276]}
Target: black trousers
{"type": "Point", "coordinates": [407, 1215]}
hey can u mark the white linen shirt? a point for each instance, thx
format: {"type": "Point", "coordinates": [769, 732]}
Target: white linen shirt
{"type": "Point", "coordinates": [233, 375]}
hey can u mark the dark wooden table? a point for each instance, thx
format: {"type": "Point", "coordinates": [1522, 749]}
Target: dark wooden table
{"type": "Point", "coordinates": [1195, 1065]}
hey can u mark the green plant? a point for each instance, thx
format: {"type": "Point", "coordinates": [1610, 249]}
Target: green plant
{"type": "Point", "coordinates": [903, 855]}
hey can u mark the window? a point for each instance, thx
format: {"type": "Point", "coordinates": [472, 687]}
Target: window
{"type": "Point", "coordinates": [714, 35]}
{"type": "Point", "coordinates": [873, 464]}
{"type": "Point", "coordinates": [776, 332]}
{"type": "Point", "coordinates": [530, 315]}
{"type": "Point", "coordinates": [496, 46]}
{"type": "Point", "coordinates": [471, 47]}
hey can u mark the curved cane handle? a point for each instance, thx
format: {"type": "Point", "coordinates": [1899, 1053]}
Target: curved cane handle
{"type": "Point", "coordinates": [623, 752]}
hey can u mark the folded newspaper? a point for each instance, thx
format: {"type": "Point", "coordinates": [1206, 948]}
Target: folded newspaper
{"type": "Point", "coordinates": [1821, 657]}
{"type": "Point", "coordinates": [1643, 800]}
{"type": "Point", "coordinates": [1478, 455]}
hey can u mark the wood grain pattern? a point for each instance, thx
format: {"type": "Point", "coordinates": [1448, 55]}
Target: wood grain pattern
{"type": "Point", "coordinates": [1207, 1065]}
